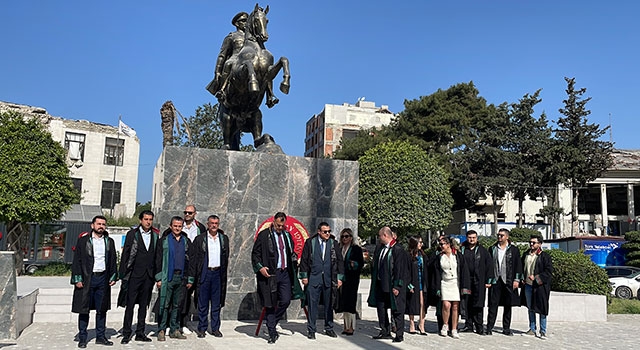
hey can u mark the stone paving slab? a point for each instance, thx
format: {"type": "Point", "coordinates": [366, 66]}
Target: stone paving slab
{"type": "Point", "coordinates": [617, 333]}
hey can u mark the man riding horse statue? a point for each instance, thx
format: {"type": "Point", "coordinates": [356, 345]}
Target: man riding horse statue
{"type": "Point", "coordinates": [244, 73]}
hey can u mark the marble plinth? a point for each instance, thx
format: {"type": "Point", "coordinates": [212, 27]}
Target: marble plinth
{"type": "Point", "coordinates": [244, 189]}
{"type": "Point", "coordinates": [8, 296]}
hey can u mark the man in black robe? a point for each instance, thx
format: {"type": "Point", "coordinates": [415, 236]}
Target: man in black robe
{"type": "Point", "coordinates": [93, 271]}
{"type": "Point", "coordinates": [390, 275]}
{"type": "Point", "coordinates": [537, 284]}
{"type": "Point", "coordinates": [273, 260]}
{"type": "Point", "coordinates": [137, 272]}
{"type": "Point", "coordinates": [507, 268]}
{"type": "Point", "coordinates": [480, 266]}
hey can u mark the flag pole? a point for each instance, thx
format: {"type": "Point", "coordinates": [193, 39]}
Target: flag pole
{"type": "Point", "coordinates": [115, 166]}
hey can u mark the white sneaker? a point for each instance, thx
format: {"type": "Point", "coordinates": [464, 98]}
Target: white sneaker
{"type": "Point", "coordinates": [455, 335]}
{"type": "Point", "coordinates": [444, 330]}
{"type": "Point", "coordinates": [167, 331]}
{"type": "Point", "coordinates": [186, 330]}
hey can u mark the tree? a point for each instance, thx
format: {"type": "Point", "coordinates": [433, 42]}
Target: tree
{"type": "Point", "coordinates": [401, 186]}
{"type": "Point", "coordinates": [530, 141]}
{"type": "Point", "coordinates": [203, 130]}
{"type": "Point", "coordinates": [581, 156]}
{"type": "Point", "coordinates": [353, 149]}
{"type": "Point", "coordinates": [632, 246]}
{"type": "Point", "coordinates": [34, 178]}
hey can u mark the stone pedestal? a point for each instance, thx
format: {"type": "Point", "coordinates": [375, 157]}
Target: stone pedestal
{"type": "Point", "coordinates": [8, 297]}
{"type": "Point", "coordinates": [244, 189]}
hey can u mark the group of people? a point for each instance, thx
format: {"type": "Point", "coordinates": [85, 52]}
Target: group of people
{"type": "Point", "coordinates": [190, 261]}
{"type": "Point", "coordinates": [458, 278]}
{"type": "Point", "coordinates": [186, 261]}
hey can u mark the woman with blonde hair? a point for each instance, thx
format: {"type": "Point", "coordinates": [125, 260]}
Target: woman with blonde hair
{"type": "Point", "coordinates": [353, 262]}
{"type": "Point", "coordinates": [417, 286]}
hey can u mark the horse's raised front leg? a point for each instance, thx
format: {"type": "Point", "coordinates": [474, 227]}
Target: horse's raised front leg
{"type": "Point", "coordinates": [284, 86]}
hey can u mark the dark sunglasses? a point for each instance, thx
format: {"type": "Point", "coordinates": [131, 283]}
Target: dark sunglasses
{"type": "Point", "coordinates": [326, 231]}
{"type": "Point", "coordinates": [188, 212]}
{"type": "Point", "coordinates": [345, 236]}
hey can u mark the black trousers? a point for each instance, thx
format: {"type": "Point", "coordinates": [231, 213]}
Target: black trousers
{"type": "Point", "coordinates": [275, 314]}
{"type": "Point", "coordinates": [383, 303]}
{"type": "Point", "coordinates": [499, 292]}
{"type": "Point", "coordinates": [139, 292]}
{"type": "Point", "coordinates": [474, 314]}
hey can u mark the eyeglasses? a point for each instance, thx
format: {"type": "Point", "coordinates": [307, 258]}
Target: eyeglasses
{"type": "Point", "coordinates": [533, 242]}
{"type": "Point", "coordinates": [326, 231]}
{"type": "Point", "coordinates": [345, 236]}
{"type": "Point", "coordinates": [187, 212]}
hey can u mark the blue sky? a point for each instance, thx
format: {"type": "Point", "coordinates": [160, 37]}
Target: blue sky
{"type": "Point", "coordinates": [96, 60]}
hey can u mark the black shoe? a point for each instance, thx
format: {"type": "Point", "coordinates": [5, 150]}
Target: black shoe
{"type": "Point", "coordinates": [507, 332]}
{"type": "Point", "coordinates": [125, 339]}
{"type": "Point", "coordinates": [383, 336]}
{"type": "Point", "coordinates": [398, 339]}
{"type": "Point", "coordinates": [488, 332]}
{"type": "Point", "coordinates": [143, 338]}
{"type": "Point", "coordinates": [311, 335]}
{"type": "Point", "coordinates": [217, 334]}
{"type": "Point", "coordinates": [479, 331]}
{"type": "Point", "coordinates": [331, 333]}
{"type": "Point", "coordinates": [82, 344]}
{"type": "Point", "coordinates": [466, 330]}
{"type": "Point", "coordinates": [272, 339]}
{"type": "Point", "coordinates": [104, 341]}
{"type": "Point", "coordinates": [201, 334]}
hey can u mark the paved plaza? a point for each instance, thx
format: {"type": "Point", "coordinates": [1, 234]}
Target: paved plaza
{"type": "Point", "coordinates": [617, 333]}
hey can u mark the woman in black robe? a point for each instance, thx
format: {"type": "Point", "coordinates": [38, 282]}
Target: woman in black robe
{"type": "Point", "coordinates": [353, 261]}
{"type": "Point", "coordinates": [417, 288]}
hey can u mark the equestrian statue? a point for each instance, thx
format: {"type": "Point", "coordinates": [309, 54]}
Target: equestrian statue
{"type": "Point", "coordinates": [243, 75]}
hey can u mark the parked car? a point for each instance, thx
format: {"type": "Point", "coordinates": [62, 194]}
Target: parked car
{"type": "Point", "coordinates": [620, 271]}
{"type": "Point", "coordinates": [626, 287]}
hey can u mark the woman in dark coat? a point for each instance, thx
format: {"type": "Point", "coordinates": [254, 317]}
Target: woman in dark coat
{"type": "Point", "coordinates": [353, 262]}
{"type": "Point", "coordinates": [417, 286]}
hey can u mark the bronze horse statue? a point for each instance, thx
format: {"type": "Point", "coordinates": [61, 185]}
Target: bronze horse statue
{"type": "Point", "coordinates": [246, 80]}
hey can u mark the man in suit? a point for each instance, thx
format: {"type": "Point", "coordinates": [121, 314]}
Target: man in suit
{"type": "Point", "coordinates": [507, 268]}
{"type": "Point", "coordinates": [137, 274]}
{"type": "Point", "coordinates": [273, 259]}
{"type": "Point", "coordinates": [480, 266]}
{"type": "Point", "coordinates": [321, 272]}
{"type": "Point", "coordinates": [93, 271]}
{"type": "Point", "coordinates": [210, 260]}
{"type": "Point", "coordinates": [390, 275]}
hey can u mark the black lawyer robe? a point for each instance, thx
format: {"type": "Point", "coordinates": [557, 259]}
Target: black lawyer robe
{"type": "Point", "coordinates": [82, 271]}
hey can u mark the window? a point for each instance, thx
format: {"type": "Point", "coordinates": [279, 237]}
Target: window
{"type": "Point", "coordinates": [113, 151]}
{"type": "Point", "coordinates": [109, 189]}
{"type": "Point", "coordinates": [74, 144]}
{"type": "Point", "coordinates": [77, 185]}
{"type": "Point", "coordinates": [349, 134]}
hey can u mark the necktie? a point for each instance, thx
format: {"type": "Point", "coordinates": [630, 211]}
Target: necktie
{"type": "Point", "coordinates": [322, 243]}
{"type": "Point", "coordinates": [281, 248]}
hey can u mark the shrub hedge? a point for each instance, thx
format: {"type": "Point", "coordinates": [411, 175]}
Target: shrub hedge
{"type": "Point", "coordinates": [576, 273]}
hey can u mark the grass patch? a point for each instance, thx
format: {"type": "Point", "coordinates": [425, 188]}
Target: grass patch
{"type": "Point", "coordinates": [54, 269]}
{"type": "Point", "coordinates": [622, 306]}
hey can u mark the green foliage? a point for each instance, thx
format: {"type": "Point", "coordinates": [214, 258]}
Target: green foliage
{"type": "Point", "coordinates": [122, 222]}
{"type": "Point", "coordinates": [353, 149]}
{"type": "Point", "coordinates": [203, 130]}
{"type": "Point", "coordinates": [632, 246]}
{"type": "Point", "coordinates": [54, 269]}
{"type": "Point", "coordinates": [622, 306]}
{"type": "Point", "coordinates": [403, 187]}
{"type": "Point", "coordinates": [140, 208]}
{"type": "Point", "coordinates": [521, 234]}
{"type": "Point", "coordinates": [576, 273]}
{"type": "Point", "coordinates": [34, 180]}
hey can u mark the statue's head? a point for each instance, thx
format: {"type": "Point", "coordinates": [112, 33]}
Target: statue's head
{"type": "Point", "coordinates": [240, 20]}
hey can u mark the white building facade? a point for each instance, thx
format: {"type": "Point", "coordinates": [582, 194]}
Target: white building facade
{"type": "Point", "coordinates": [103, 162]}
{"type": "Point", "coordinates": [326, 129]}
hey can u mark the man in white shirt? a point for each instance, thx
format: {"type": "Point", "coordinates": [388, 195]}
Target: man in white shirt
{"type": "Point", "coordinates": [192, 228]}
{"type": "Point", "coordinates": [93, 273]}
{"type": "Point", "coordinates": [210, 254]}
